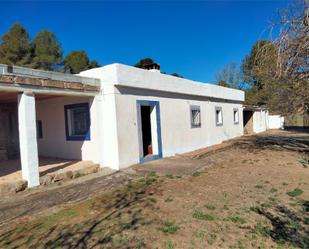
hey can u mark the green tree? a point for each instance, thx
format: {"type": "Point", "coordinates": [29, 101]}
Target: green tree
{"type": "Point", "coordinates": [230, 76]}
{"type": "Point", "coordinates": [256, 65]}
{"type": "Point", "coordinates": [144, 62]}
{"type": "Point", "coordinates": [15, 47]}
{"type": "Point", "coordinates": [77, 61]}
{"type": "Point", "coordinates": [258, 69]}
{"type": "Point", "coordinates": [47, 51]}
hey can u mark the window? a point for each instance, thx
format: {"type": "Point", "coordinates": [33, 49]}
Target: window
{"type": "Point", "coordinates": [219, 116]}
{"type": "Point", "coordinates": [236, 116]}
{"type": "Point", "coordinates": [77, 122]}
{"type": "Point", "coordinates": [39, 129]}
{"type": "Point", "coordinates": [195, 116]}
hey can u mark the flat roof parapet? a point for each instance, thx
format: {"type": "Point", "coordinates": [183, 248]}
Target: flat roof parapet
{"type": "Point", "coordinates": [35, 73]}
{"type": "Point", "coordinates": [20, 76]}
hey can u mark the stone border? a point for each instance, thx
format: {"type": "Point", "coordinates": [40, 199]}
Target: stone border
{"type": "Point", "coordinates": [50, 178]}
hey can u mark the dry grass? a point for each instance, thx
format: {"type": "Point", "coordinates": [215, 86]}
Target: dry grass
{"type": "Point", "coordinates": [221, 208]}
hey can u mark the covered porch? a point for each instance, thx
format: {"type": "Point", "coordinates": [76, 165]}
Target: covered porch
{"type": "Point", "coordinates": [47, 120]}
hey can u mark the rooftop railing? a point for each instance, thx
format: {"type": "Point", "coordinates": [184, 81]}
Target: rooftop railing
{"type": "Point", "coordinates": [35, 73]}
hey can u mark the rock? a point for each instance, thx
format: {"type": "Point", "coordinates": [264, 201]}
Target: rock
{"type": "Point", "coordinates": [20, 186]}
{"type": "Point", "coordinates": [62, 176]}
{"type": "Point", "coordinates": [59, 176]}
{"type": "Point", "coordinates": [47, 179]}
{"type": "Point", "coordinates": [86, 170]}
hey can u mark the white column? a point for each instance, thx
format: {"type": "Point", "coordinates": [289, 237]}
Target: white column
{"type": "Point", "coordinates": [28, 139]}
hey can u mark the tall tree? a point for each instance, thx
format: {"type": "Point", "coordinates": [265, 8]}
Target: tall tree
{"type": "Point", "coordinates": [278, 69]}
{"type": "Point", "coordinates": [258, 72]}
{"type": "Point", "coordinates": [293, 55]}
{"type": "Point", "coordinates": [47, 51]}
{"type": "Point", "coordinates": [15, 47]}
{"type": "Point", "coordinates": [77, 61]}
{"type": "Point", "coordinates": [229, 76]}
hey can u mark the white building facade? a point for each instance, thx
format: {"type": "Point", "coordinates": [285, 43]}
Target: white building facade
{"type": "Point", "coordinates": [117, 116]}
{"type": "Point", "coordinates": [180, 115]}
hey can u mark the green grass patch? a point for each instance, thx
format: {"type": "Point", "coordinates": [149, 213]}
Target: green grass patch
{"type": "Point", "coordinates": [148, 180]}
{"type": "Point", "coordinates": [199, 215]}
{"type": "Point", "coordinates": [196, 174]}
{"type": "Point", "coordinates": [295, 192]}
{"type": "Point", "coordinates": [304, 161]}
{"type": "Point", "coordinates": [170, 245]}
{"type": "Point", "coordinates": [212, 239]}
{"type": "Point", "coordinates": [235, 219]}
{"type": "Point", "coordinates": [255, 209]}
{"type": "Point", "coordinates": [169, 227]}
{"type": "Point", "coordinates": [259, 186]}
{"type": "Point", "coordinates": [273, 190]}
{"type": "Point", "coordinates": [306, 206]}
{"type": "Point", "coordinates": [266, 205]}
{"type": "Point", "coordinates": [210, 207]}
{"type": "Point", "coordinates": [261, 230]}
{"type": "Point", "coordinates": [199, 234]}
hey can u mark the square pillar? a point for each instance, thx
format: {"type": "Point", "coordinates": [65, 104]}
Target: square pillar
{"type": "Point", "coordinates": [28, 139]}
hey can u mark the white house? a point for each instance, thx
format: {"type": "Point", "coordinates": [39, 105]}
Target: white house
{"type": "Point", "coordinates": [114, 115]}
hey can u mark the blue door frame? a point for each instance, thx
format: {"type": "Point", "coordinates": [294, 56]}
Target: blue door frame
{"type": "Point", "coordinates": [156, 105]}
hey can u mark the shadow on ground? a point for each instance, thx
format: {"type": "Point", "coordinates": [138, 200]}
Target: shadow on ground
{"type": "Point", "coordinates": [288, 226]}
{"type": "Point", "coordinates": [103, 222]}
{"type": "Point", "coordinates": [293, 142]}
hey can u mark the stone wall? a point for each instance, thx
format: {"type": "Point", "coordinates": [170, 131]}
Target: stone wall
{"type": "Point", "coordinates": [9, 142]}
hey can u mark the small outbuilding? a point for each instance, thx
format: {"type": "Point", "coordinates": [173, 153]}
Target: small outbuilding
{"type": "Point", "coordinates": [255, 119]}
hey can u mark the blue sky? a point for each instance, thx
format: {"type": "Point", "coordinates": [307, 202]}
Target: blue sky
{"type": "Point", "coordinates": [192, 38]}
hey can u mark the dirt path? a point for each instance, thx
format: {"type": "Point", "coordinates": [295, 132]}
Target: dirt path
{"type": "Point", "coordinates": [220, 166]}
{"type": "Point", "coordinates": [55, 196]}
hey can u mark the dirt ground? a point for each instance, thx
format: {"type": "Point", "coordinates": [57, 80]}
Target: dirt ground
{"type": "Point", "coordinates": [11, 169]}
{"type": "Point", "coordinates": [252, 193]}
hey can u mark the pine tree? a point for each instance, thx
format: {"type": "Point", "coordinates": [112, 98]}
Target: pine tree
{"type": "Point", "coordinates": [47, 51]}
{"type": "Point", "coordinates": [78, 61]}
{"type": "Point", "coordinates": [15, 48]}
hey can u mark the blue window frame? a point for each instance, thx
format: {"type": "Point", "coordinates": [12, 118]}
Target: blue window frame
{"type": "Point", "coordinates": [77, 122]}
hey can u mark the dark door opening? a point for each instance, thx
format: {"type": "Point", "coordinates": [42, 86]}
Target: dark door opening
{"type": "Point", "coordinates": [146, 130]}
{"type": "Point", "coordinates": [248, 121]}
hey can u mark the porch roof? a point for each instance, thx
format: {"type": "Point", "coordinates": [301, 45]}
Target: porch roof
{"type": "Point", "coordinates": [32, 79]}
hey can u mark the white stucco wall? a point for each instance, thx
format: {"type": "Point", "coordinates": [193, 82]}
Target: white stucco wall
{"type": "Point", "coordinates": [54, 143]}
{"type": "Point", "coordinates": [260, 120]}
{"type": "Point", "coordinates": [275, 122]}
{"type": "Point", "coordinates": [177, 134]}
{"type": "Point", "coordinates": [122, 86]}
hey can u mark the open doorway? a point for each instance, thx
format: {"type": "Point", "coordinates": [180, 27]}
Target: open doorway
{"type": "Point", "coordinates": [248, 121]}
{"type": "Point", "coordinates": [146, 130]}
{"type": "Point", "coordinates": [149, 130]}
